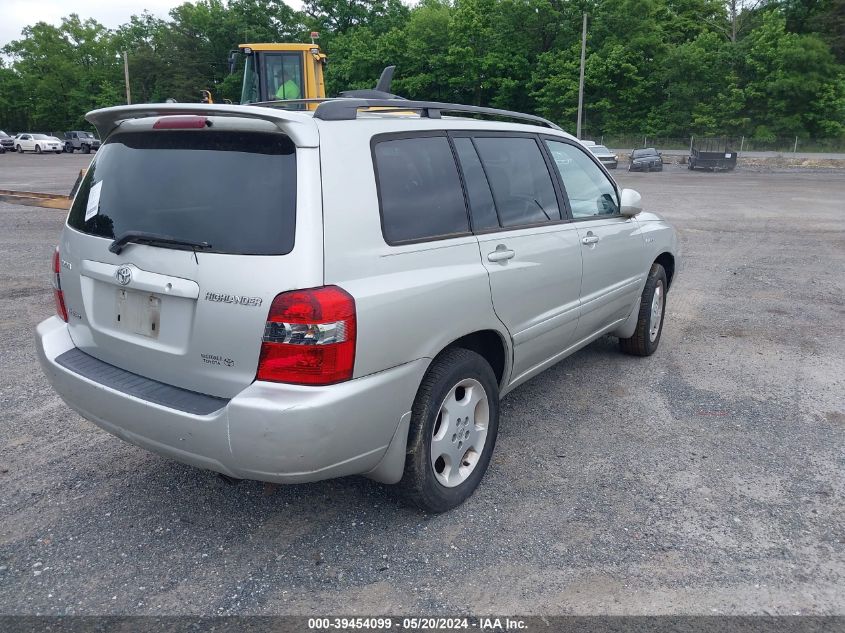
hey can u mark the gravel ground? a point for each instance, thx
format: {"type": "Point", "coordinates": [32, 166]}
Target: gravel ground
{"type": "Point", "coordinates": [705, 479]}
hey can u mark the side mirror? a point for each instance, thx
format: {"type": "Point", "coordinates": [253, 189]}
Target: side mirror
{"type": "Point", "coordinates": [631, 203]}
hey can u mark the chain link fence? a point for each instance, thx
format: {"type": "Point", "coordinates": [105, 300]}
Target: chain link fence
{"type": "Point", "coordinates": [738, 144]}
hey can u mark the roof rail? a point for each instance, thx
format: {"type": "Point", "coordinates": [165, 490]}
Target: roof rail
{"type": "Point", "coordinates": [346, 109]}
{"type": "Point", "coordinates": [284, 104]}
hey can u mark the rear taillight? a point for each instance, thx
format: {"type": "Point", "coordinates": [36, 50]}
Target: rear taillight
{"type": "Point", "coordinates": [58, 295]}
{"type": "Point", "coordinates": [309, 337]}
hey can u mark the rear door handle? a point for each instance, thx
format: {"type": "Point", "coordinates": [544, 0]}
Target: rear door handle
{"type": "Point", "coordinates": [502, 253]}
{"type": "Point", "coordinates": [590, 239]}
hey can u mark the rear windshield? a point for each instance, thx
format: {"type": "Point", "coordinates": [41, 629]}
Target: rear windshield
{"type": "Point", "coordinates": [234, 190]}
{"type": "Point", "coordinates": [599, 149]}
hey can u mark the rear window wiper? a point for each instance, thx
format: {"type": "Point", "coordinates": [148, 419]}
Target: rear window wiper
{"type": "Point", "coordinates": [142, 237]}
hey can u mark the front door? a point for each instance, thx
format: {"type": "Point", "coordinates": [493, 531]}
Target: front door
{"type": "Point", "coordinates": [532, 255]}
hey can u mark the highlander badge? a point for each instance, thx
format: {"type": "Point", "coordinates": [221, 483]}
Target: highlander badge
{"type": "Point", "coordinates": [236, 299]}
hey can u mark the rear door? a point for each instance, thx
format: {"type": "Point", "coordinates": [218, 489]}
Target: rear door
{"type": "Point", "coordinates": [190, 316]}
{"type": "Point", "coordinates": [530, 250]}
{"type": "Point", "coordinates": [611, 245]}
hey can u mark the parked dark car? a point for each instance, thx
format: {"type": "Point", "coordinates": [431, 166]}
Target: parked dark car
{"type": "Point", "coordinates": [83, 141]}
{"type": "Point", "coordinates": [6, 142]}
{"type": "Point", "coordinates": [645, 159]}
{"type": "Point", "coordinates": [605, 156]}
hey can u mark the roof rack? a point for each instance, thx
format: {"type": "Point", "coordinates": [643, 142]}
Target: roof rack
{"type": "Point", "coordinates": [346, 109]}
{"type": "Point", "coordinates": [284, 103]}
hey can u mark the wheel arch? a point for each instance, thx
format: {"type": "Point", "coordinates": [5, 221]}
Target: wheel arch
{"type": "Point", "coordinates": [667, 260]}
{"type": "Point", "coordinates": [490, 345]}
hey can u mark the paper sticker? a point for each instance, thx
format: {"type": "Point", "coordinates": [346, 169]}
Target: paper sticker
{"type": "Point", "coordinates": [93, 201]}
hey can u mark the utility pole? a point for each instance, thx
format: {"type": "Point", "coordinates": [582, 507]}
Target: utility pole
{"type": "Point", "coordinates": [126, 78]}
{"type": "Point", "coordinates": [581, 79]}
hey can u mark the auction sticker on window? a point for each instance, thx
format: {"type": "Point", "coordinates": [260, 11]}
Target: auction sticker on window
{"type": "Point", "coordinates": [93, 205]}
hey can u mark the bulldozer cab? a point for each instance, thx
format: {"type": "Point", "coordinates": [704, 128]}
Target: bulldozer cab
{"type": "Point", "coordinates": [282, 71]}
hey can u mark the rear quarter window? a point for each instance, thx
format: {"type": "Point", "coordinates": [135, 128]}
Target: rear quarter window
{"type": "Point", "coordinates": [234, 190]}
{"type": "Point", "coordinates": [420, 193]}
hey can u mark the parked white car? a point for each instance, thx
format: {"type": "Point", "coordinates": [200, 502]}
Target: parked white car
{"type": "Point", "coordinates": [292, 296]}
{"type": "Point", "coordinates": [38, 143]}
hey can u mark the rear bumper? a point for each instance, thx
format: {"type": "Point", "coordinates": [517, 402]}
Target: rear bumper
{"type": "Point", "coordinates": [270, 432]}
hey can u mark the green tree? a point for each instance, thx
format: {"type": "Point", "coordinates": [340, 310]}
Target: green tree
{"type": "Point", "coordinates": [64, 71]}
{"type": "Point", "coordinates": [793, 85]}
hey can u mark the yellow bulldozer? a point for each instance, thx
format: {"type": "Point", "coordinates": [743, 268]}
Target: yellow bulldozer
{"type": "Point", "coordinates": [274, 72]}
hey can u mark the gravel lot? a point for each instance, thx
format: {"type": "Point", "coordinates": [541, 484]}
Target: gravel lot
{"type": "Point", "coordinates": [706, 479]}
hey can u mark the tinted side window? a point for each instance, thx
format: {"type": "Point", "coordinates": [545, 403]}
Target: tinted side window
{"type": "Point", "coordinates": [522, 186]}
{"type": "Point", "coordinates": [589, 191]}
{"type": "Point", "coordinates": [419, 189]}
{"type": "Point", "coordinates": [478, 189]}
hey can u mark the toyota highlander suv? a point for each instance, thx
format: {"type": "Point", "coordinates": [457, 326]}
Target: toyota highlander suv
{"type": "Point", "coordinates": [290, 296]}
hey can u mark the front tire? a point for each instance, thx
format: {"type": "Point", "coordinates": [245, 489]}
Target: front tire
{"type": "Point", "coordinates": [86, 149]}
{"type": "Point", "coordinates": [19, 149]}
{"type": "Point", "coordinates": [646, 336]}
{"type": "Point", "coordinates": [454, 423]}
{"type": "Point", "coordinates": [37, 149]}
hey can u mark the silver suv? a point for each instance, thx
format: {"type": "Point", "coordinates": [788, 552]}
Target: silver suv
{"type": "Point", "coordinates": [290, 296]}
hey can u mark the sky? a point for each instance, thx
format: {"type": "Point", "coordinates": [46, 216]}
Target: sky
{"type": "Point", "coordinates": [16, 14]}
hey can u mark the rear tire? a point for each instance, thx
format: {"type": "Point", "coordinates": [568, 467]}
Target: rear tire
{"type": "Point", "coordinates": [456, 414]}
{"type": "Point", "coordinates": [646, 336]}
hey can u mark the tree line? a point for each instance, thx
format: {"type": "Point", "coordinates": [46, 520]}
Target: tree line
{"type": "Point", "coordinates": [761, 69]}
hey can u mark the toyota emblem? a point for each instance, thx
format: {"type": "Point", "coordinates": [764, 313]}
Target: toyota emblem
{"type": "Point", "coordinates": [124, 275]}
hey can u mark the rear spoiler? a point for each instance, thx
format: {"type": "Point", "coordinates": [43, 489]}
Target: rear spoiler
{"type": "Point", "coordinates": [298, 126]}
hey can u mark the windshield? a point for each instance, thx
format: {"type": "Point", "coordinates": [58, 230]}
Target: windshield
{"type": "Point", "coordinates": [639, 153]}
{"type": "Point", "coordinates": [3, 134]}
{"type": "Point", "coordinates": [41, 137]}
{"type": "Point", "coordinates": [283, 77]}
{"type": "Point", "coordinates": [234, 190]}
{"type": "Point", "coordinates": [249, 91]}
{"type": "Point", "coordinates": [599, 149]}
